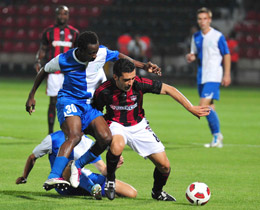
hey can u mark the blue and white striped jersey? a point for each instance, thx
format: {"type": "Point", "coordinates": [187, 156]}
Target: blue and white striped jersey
{"type": "Point", "coordinates": [81, 79]}
{"type": "Point", "coordinates": [210, 49]}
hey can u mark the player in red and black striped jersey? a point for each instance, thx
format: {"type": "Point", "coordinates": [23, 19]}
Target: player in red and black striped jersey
{"type": "Point", "coordinates": [123, 98]}
{"type": "Point", "coordinates": [125, 108]}
{"type": "Point", "coordinates": [57, 38]}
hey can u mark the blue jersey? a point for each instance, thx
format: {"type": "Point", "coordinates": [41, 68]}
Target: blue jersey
{"type": "Point", "coordinates": [51, 144]}
{"type": "Point", "coordinates": [210, 49]}
{"type": "Point", "coordinates": [81, 79]}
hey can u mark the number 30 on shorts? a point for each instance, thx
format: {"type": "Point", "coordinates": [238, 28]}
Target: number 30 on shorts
{"type": "Point", "coordinates": [71, 108]}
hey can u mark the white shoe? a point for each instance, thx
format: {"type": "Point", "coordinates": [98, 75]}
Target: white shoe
{"type": "Point", "coordinates": [96, 192]}
{"type": "Point", "coordinates": [217, 141]}
{"type": "Point", "coordinates": [59, 183]}
{"type": "Point", "coordinates": [75, 175]}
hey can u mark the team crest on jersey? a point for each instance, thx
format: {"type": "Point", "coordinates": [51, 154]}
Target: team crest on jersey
{"type": "Point", "coordinates": [69, 36]}
{"type": "Point", "coordinates": [133, 97]}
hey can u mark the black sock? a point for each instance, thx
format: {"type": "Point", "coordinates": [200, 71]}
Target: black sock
{"type": "Point", "coordinates": [51, 118]}
{"type": "Point", "coordinates": [160, 180]}
{"type": "Point", "coordinates": [112, 161]}
{"type": "Point", "coordinates": [96, 149]}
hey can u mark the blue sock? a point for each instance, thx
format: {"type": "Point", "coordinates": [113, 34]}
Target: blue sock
{"type": "Point", "coordinates": [85, 159]}
{"type": "Point", "coordinates": [213, 122]}
{"type": "Point", "coordinates": [86, 183]}
{"type": "Point", "coordinates": [58, 167]}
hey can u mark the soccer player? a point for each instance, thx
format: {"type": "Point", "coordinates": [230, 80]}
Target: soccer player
{"type": "Point", "coordinates": [210, 48]}
{"type": "Point", "coordinates": [83, 72]}
{"type": "Point", "coordinates": [57, 38]}
{"type": "Point", "coordinates": [123, 98]}
{"type": "Point", "coordinates": [90, 183]}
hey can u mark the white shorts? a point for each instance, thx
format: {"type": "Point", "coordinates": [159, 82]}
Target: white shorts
{"type": "Point", "coordinates": [139, 137]}
{"type": "Point", "coordinates": [54, 84]}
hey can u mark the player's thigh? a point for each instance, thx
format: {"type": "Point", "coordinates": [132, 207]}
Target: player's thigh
{"type": "Point", "coordinates": [143, 140]}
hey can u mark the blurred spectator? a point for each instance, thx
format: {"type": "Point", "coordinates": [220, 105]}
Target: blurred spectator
{"type": "Point", "coordinates": [122, 43]}
{"type": "Point", "coordinates": [148, 43]}
{"type": "Point", "coordinates": [234, 52]}
{"type": "Point", "coordinates": [137, 49]}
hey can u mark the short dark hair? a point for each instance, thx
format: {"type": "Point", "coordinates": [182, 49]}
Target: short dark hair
{"type": "Point", "coordinates": [123, 65]}
{"type": "Point", "coordinates": [86, 38]}
{"type": "Point", "coordinates": [61, 7]}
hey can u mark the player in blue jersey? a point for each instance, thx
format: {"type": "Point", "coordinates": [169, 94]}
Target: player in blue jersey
{"type": "Point", "coordinates": [83, 72]}
{"type": "Point", "coordinates": [90, 183]}
{"type": "Point", "coordinates": [210, 48]}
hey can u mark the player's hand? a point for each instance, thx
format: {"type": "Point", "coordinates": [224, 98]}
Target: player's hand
{"type": "Point", "coordinates": [153, 68]}
{"type": "Point", "coordinates": [200, 111]}
{"type": "Point", "coordinates": [190, 57]}
{"type": "Point", "coordinates": [120, 162]}
{"type": "Point", "coordinates": [226, 81]}
{"type": "Point", "coordinates": [30, 105]}
{"type": "Point", "coordinates": [21, 180]}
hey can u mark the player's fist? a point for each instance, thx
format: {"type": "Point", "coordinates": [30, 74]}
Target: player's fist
{"type": "Point", "coordinates": [21, 180]}
{"type": "Point", "coordinates": [190, 57]}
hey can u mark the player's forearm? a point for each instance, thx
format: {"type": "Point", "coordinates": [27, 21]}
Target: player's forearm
{"type": "Point", "coordinates": [29, 165]}
{"type": "Point", "coordinates": [227, 64]}
{"type": "Point", "coordinates": [176, 95]}
{"type": "Point", "coordinates": [138, 64]}
{"type": "Point", "coordinates": [38, 80]}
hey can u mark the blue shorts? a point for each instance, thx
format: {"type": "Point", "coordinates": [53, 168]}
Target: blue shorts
{"type": "Point", "coordinates": [68, 107]}
{"type": "Point", "coordinates": [209, 90]}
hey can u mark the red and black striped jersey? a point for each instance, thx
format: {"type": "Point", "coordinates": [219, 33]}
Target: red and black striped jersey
{"type": "Point", "coordinates": [123, 107]}
{"type": "Point", "coordinates": [59, 40]}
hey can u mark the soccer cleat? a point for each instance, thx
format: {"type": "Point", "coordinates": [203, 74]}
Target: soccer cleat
{"type": "Point", "coordinates": [75, 175]}
{"type": "Point", "coordinates": [217, 141]}
{"type": "Point", "coordinates": [162, 196]}
{"type": "Point", "coordinates": [96, 192]}
{"type": "Point", "coordinates": [59, 183]}
{"type": "Point", "coordinates": [110, 189]}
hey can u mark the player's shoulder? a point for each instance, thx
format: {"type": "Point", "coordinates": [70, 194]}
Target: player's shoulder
{"type": "Point", "coordinates": [143, 80]}
{"type": "Point", "coordinates": [73, 28]}
{"type": "Point", "coordinates": [49, 28]}
{"type": "Point", "coordinates": [198, 33]}
{"type": "Point", "coordinates": [105, 87]}
{"type": "Point", "coordinates": [216, 33]}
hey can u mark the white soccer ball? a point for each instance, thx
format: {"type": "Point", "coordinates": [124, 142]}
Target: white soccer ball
{"type": "Point", "coordinates": [198, 193]}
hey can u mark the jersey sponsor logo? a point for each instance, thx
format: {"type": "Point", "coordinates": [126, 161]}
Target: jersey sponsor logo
{"type": "Point", "coordinates": [133, 97]}
{"type": "Point", "coordinates": [61, 44]}
{"type": "Point", "coordinates": [128, 108]}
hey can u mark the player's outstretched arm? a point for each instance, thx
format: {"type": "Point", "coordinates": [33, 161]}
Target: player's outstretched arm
{"type": "Point", "coordinates": [149, 66]}
{"type": "Point", "coordinates": [27, 169]}
{"type": "Point", "coordinates": [198, 111]}
{"type": "Point", "coordinates": [30, 103]}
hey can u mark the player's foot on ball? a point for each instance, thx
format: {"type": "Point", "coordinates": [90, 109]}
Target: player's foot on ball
{"type": "Point", "coordinates": [162, 196]}
{"type": "Point", "coordinates": [217, 141]}
{"type": "Point", "coordinates": [96, 192]}
{"type": "Point", "coordinates": [75, 175]}
{"type": "Point", "coordinates": [59, 183]}
{"type": "Point", "coordinates": [110, 189]}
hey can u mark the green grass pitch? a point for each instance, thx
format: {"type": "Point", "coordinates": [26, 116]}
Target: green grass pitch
{"type": "Point", "coordinates": [232, 173]}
